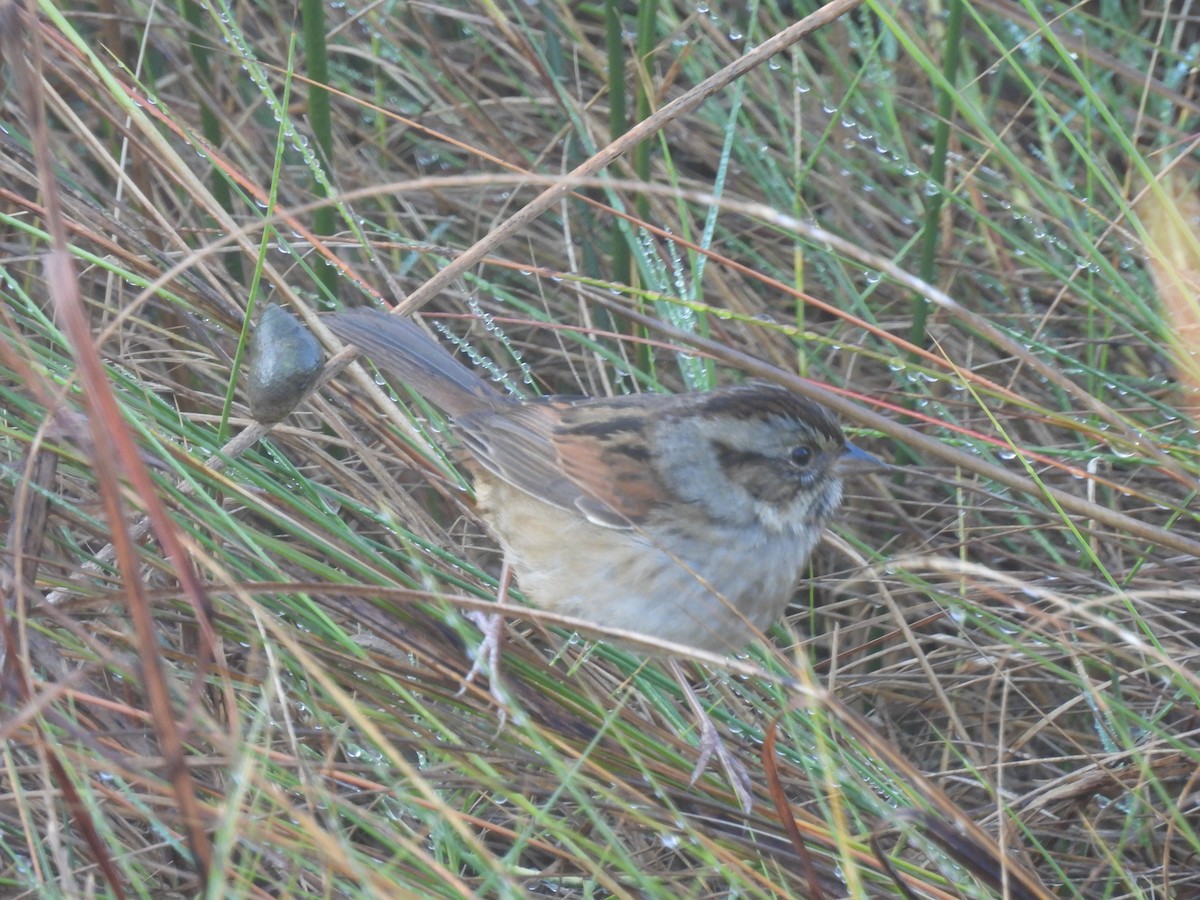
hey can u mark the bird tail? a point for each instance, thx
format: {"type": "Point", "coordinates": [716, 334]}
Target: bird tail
{"type": "Point", "coordinates": [398, 345]}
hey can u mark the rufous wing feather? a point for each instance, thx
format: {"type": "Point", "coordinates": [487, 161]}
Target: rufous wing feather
{"type": "Point", "coordinates": [574, 455]}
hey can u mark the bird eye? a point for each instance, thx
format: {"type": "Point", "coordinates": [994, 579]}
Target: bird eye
{"type": "Point", "coordinates": [801, 456]}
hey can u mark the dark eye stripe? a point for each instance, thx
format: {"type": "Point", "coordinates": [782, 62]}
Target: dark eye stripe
{"type": "Point", "coordinates": [765, 478]}
{"type": "Point", "coordinates": [734, 458]}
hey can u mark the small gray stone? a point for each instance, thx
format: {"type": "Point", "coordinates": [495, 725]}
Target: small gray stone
{"type": "Point", "coordinates": [283, 363]}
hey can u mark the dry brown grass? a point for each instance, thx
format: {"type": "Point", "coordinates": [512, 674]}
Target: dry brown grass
{"type": "Point", "coordinates": [243, 674]}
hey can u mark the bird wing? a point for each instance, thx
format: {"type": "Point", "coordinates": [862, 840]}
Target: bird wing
{"type": "Point", "coordinates": [592, 455]}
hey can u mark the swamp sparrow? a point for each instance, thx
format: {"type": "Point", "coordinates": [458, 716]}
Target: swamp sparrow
{"type": "Point", "coordinates": [686, 518]}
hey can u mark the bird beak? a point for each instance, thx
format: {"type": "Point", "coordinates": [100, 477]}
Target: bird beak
{"type": "Point", "coordinates": [857, 461]}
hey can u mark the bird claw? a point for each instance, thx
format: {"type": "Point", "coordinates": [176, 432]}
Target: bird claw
{"type": "Point", "coordinates": [487, 660]}
{"type": "Point", "coordinates": [488, 653]}
{"type": "Point", "coordinates": [711, 743]}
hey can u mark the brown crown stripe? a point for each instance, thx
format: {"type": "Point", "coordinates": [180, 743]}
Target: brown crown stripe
{"type": "Point", "coordinates": [773, 401]}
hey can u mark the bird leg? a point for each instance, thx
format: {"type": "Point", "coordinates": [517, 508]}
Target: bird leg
{"type": "Point", "coordinates": [487, 654]}
{"type": "Point", "coordinates": [712, 743]}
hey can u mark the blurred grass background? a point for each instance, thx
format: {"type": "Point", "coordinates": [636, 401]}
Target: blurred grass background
{"type": "Point", "coordinates": [232, 659]}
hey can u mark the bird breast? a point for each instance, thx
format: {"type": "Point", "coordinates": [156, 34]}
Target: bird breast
{"type": "Point", "coordinates": [689, 582]}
